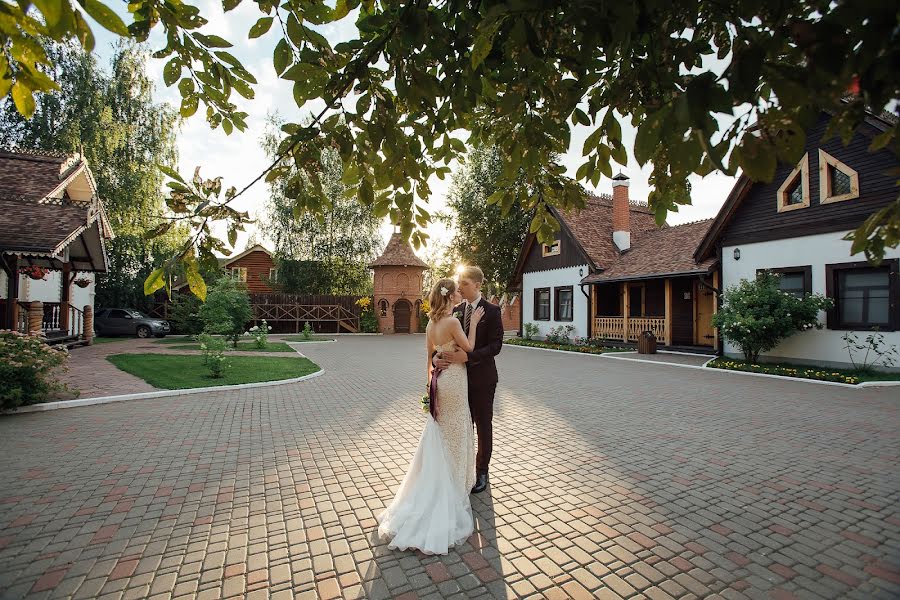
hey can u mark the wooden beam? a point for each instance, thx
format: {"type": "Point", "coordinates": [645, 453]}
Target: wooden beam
{"type": "Point", "coordinates": [65, 296]}
{"type": "Point", "coordinates": [626, 312]}
{"type": "Point", "coordinates": [668, 340]}
{"type": "Point", "coordinates": [592, 312]}
{"type": "Point", "coordinates": [12, 292]}
{"type": "Point", "coordinates": [715, 309]}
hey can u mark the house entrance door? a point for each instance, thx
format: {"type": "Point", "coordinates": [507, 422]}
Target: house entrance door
{"type": "Point", "coordinates": [401, 316]}
{"type": "Point", "coordinates": [703, 313]}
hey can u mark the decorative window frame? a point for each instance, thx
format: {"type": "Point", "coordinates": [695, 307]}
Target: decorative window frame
{"type": "Point", "coordinates": [825, 197]}
{"type": "Point", "coordinates": [833, 320]}
{"type": "Point", "coordinates": [552, 249]}
{"type": "Point", "coordinates": [537, 292]}
{"type": "Point", "coordinates": [801, 171]}
{"type": "Point", "coordinates": [273, 275]}
{"type": "Point", "coordinates": [806, 270]}
{"type": "Point", "coordinates": [238, 274]}
{"type": "Point", "coordinates": [556, 303]}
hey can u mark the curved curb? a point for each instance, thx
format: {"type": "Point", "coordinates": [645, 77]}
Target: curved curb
{"type": "Point", "coordinates": [309, 342]}
{"type": "Point", "coordinates": [160, 394]}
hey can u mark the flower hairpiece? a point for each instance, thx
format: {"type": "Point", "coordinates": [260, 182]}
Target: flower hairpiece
{"type": "Point", "coordinates": [444, 291]}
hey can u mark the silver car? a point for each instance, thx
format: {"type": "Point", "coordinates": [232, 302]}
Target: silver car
{"type": "Point", "coordinates": [125, 321]}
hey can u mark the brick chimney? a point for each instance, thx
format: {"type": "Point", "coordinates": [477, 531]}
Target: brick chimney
{"type": "Point", "coordinates": [621, 213]}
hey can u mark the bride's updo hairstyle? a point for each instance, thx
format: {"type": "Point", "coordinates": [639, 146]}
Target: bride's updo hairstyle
{"type": "Point", "coordinates": [441, 298]}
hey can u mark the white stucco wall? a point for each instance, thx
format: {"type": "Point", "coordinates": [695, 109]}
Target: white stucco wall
{"type": "Point", "coordinates": [552, 279]}
{"type": "Point", "coordinates": [817, 346]}
{"type": "Point", "coordinates": [50, 288]}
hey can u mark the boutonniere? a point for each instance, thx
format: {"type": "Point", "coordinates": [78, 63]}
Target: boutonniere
{"type": "Point", "coordinates": [458, 314]}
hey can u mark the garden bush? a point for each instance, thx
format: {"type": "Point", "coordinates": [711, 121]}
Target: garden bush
{"type": "Point", "coordinates": [26, 365]}
{"type": "Point", "coordinates": [226, 310]}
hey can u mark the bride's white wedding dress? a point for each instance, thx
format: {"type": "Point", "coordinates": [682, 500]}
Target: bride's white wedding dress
{"type": "Point", "coordinates": [431, 510]}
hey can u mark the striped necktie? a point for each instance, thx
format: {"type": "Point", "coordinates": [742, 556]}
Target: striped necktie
{"type": "Point", "coordinates": [468, 319]}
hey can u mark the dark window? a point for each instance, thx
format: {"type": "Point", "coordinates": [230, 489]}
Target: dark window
{"type": "Point", "coordinates": [840, 181]}
{"type": "Point", "coordinates": [382, 307]}
{"type": "Point", "coordinates": [564, 299]}
{"type": "Point", "coordinates": [542, 304]}
{"type": "Point", "coordinates": [793, 280]}
{"type": "Point", "coordinates": [635, 301]}
{"type": "Point", "coordinates": [117, 314]}
{"type": "Point", "coordinates": [795, 192]}
{"type": "Point", "coordinates": [865, 297]}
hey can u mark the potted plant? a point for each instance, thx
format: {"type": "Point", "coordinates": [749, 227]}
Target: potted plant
{"type": "Point", "coordinates": [82, 282]}
{"type": "Point", "coordinates": [34, 271]}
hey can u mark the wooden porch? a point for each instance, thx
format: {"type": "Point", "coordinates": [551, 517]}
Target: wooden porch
{"type": "Point", "coordinates": [676, 310]}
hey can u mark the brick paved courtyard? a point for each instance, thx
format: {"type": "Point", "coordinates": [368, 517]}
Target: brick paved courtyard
{"type": "Point", "coordinates": [610, 479]}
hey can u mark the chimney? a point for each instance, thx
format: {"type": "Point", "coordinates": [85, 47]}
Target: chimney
{"type": "Point", "coordinates": [621, 213]}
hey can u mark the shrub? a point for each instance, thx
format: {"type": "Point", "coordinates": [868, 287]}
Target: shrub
{"type": "Point", "coordinates": [213, 350]}
{"type": "Point", "coordinates": [226, 310]}
{"type": "Point", "coordinates": [307, 331]}
{"type": "Point", "coordinates": [368, 322]}
{"type": "Point", "coordinates": [529, 330]}
{"type": "Point", "coordinates": [424, 309]}
{"type": "Point", "coordinates": [876, 352]}
{"type": "Point", "coordinates": [185, 316]}
{"type": "Point", "coordinates": [756, 315]}
{"type": "Point", "coordinates": [260, 334]}
{"type": "Point", "coordinates": [26, 363]}
{"type": "Point", "coordinates": [560, 335]}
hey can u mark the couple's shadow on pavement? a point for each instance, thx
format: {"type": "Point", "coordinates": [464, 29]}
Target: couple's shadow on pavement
{"type": "Point", "coordinates": [467, 568]}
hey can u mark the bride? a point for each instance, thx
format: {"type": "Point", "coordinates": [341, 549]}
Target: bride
{"type": "Point", "coordinates": [431, 510]}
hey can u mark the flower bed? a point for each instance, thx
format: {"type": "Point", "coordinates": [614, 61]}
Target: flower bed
{"type": "Point", "coordinates": [563, 347]}
{"type": "Point", "coordinates": [819, 374]}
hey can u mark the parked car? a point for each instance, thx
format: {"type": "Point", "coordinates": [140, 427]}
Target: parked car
{"type": "Point", "coordinates": [125, 321]}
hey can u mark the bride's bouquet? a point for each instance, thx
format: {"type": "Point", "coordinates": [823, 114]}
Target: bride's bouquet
{"type": "Point", "coordinates": [426, 403]}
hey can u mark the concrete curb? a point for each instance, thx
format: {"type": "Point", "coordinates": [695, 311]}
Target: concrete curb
{"type": "Point", "coordinates": [160, 394]}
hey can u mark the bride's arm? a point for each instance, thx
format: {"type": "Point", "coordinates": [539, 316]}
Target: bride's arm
{"type": "Point", "coordinates": [429, 347]}
{"type": "Point", "coordinates": [464, 343]}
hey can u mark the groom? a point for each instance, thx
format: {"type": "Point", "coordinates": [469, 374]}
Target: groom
{"type": "Point", "coordinates": [480, 367]}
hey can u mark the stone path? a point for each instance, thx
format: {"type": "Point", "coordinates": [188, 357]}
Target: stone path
{"type": "Point", "coordinates": [610, 479]}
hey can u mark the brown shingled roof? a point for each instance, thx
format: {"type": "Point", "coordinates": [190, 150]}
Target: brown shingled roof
{"type": "Point", "coordinates": [33, 175]}
{"type": "Point", "coordinates": [592, 227]}
{"type": "Point", "coordinates": [398, 253]}
{"type": "Point", "coordinates": [658, 252]}
{"type": "Point", "coordinates": [33, 227]}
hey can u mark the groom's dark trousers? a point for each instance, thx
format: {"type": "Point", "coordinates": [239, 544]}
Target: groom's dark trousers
{"type": "Point", "coordinates": [482, 375]}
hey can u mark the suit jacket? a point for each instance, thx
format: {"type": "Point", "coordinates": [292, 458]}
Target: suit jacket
{"type": "Point", "coordinates": [481, 367]}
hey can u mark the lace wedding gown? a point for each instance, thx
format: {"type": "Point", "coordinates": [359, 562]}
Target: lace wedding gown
{"type": "Point", "coordinates": [431, 510]}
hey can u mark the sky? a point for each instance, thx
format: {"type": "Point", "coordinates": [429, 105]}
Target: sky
{"type": "Point", "coordinates": [239, 158]}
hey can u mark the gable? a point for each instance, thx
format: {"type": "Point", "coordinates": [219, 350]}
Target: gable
{"type": "Point", "coordinates": [756, 217]}
{"type": "Point", "coordinates": [570, 254]}
{"type": "Point", "coordinates": [257, 260]}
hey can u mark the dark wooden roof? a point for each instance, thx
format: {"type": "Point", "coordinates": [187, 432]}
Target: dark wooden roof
{"type": "Point", "coordinates": [33, 227]}
{"type": "Point", "coordinates": [33, 175]}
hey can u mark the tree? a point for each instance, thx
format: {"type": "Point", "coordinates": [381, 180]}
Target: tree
{"type": "Point", "coordinates": [484, 236]}
{"type": "Point", "coordinates": [227, 310]}
{"type": "Point", "coordinates": [112, 119]}
{"type": "Point", "coordinates": [326, 253]}
{"type": "Point", "coordinates": [756, 315]}
{"type": "Point", "coordinates": [515, 75]}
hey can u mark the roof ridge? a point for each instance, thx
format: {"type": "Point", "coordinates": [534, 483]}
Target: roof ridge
{"type": "Point", "coordinates": [691, 222]}
{"type": "Point", "coordinates": [32, 154]}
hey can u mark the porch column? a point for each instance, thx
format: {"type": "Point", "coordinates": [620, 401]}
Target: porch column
{"type": "Point", "coordinates": [592, 312]}
{"type": "Point", "coordinates": [35, 316]}
{"type": "Point", "coordinates": [65, 297]}
{"type": "Point", "coordinates": [715, 310]}
{"type": "Point", "coordinates": [626, 312]}
{"type": "Point", "coordinates": [668, 340]}
{"type": "Point", "coordinates": [88, 326]}
{"type": "Point", "coordinates": [12, 293]}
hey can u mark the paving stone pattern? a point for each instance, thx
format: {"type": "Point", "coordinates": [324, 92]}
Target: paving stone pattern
{"type": "Point", "coordinates": [610, 479]}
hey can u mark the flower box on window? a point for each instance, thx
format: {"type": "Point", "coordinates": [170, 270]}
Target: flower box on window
{"type": "Point", "coordinates": [34, 272]}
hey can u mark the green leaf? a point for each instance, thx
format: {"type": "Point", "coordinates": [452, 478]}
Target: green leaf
{"type": "Point", "coordinates": [881, 140]}
{"type": "Point", "coordinates": [281, 58]}
{"type": "Point", "coordinates": [230, 4]}
{"type": "Point", "coordinates": [580, 117]}
{"type": "Point", "coordinates": [154, 281]}
{"type": "Point", "coordinates": [51, 9]}
{"type": "Point", "coordinates": [23, 99]}
{"type": "Point", "coordinates": [757, 158]}
{"type": "Point", "coordinates": [172, 173]}
{"type": "Point", "coordinates": [213, 41]}
{"type": "Point", "coordinates": [649, 135]}
{"type": "Point", "coordinates": [105, 16]}
{"type": "Point", "coordinates": [484, 41]}
{"type": "Point", "coordinates": [172, 71]}
{"type": "Point", "coordinates": [186, 86]}
{"type": "Point", "coordinates": [189, 105]}
{"type": "Point", "coordinates": [261, 27]}
{"type": "Point", "coordinates": [195, 280]}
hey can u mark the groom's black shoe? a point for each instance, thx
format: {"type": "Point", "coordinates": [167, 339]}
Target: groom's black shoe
{"type": "Point", "coordinates": [481, 483]}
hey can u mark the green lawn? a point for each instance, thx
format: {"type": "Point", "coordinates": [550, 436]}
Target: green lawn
{"type": "Point", "coordinates": [242, 346]}
{"type": "Point", "coordinates": [182, 372]}
{"type": "Point", "coordinates": [300, 338]}
{"type": "Point", "coordinates": [804, 371]}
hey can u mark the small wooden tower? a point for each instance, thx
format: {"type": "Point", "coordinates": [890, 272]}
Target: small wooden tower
{"type": "Point", "coordinates": [398, 287]}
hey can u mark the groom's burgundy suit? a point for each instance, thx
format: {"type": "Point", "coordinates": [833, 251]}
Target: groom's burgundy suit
{"type": "Point", "coordinates": [482, 375]}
